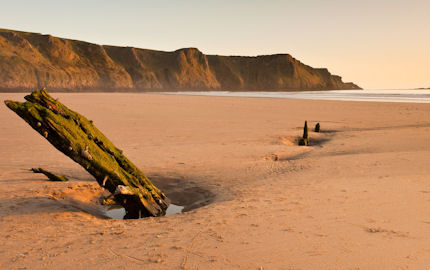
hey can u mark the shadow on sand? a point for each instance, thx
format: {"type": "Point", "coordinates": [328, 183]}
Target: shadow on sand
{"type": "Point", "coordinates": [183, 193]}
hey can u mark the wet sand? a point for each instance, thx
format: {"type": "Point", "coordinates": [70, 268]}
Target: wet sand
{"type": "Point", "coordinates": [358, 198]}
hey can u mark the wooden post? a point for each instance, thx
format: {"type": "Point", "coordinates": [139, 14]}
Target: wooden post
{"type": "Point", "coordinates": [305, 138]}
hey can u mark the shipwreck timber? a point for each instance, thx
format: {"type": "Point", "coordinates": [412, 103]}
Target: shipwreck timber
{"type": "Point", "coordinates": [78, 138]}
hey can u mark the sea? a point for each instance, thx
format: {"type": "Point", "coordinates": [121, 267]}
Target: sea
{"type": "Point", "coordinates": [380, 95]}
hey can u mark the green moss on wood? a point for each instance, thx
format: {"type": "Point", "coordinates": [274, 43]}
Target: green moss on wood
{"type": "Point", "coordinates": [109, 201]}
{"type": "Point", "coordinates": [78, 138]}
{"type": "Point", "coordinates": [51, 176]}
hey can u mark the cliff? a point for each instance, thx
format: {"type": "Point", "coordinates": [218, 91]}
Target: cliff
{"type": "Point", "coordinates": [30, 60]}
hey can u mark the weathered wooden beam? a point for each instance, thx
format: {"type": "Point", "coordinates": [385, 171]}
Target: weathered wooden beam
{"type": "Point", "coordinates": [77, 137]}
{"type": "Point", "coordinates": [51, 176]}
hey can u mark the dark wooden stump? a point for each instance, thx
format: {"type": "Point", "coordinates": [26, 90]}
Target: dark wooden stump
{"type": "Point", "coordinates": [304, 141]}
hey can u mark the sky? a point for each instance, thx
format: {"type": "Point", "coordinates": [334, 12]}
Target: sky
{"type": "Point", "coordinates": [378, 44]}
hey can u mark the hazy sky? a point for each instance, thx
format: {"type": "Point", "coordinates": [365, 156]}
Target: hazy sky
{"type": "Point", "coordinates": [376, 44]}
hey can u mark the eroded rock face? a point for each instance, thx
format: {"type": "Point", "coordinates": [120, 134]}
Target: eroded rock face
{"type": "Point", "coordinates": [30, 60]}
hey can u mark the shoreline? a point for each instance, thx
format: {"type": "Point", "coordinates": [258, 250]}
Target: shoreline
{"type": "Point", "coordinates": [366, 95]}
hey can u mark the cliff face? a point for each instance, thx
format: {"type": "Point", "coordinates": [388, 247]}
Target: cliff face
{"type": "Point", "coordinates": [29, 61]}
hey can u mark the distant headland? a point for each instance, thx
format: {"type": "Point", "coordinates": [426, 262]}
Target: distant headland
{"type": "Point", "coordinates": [31, 60]}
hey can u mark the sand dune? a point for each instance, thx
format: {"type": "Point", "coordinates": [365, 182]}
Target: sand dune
{"type": "Point", "coordinates": [359, 198]}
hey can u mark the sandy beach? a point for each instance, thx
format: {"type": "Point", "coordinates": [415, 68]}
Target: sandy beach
{"type": "Point", "coordinates": [358, 198]}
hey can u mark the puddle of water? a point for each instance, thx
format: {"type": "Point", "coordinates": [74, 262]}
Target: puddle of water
{"type": "Point", "coordinates": [174, 209]}
{"type": "Point", "coordinates": [115, 212]}
{"type": "Point", "coordinates": [118, 212]}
